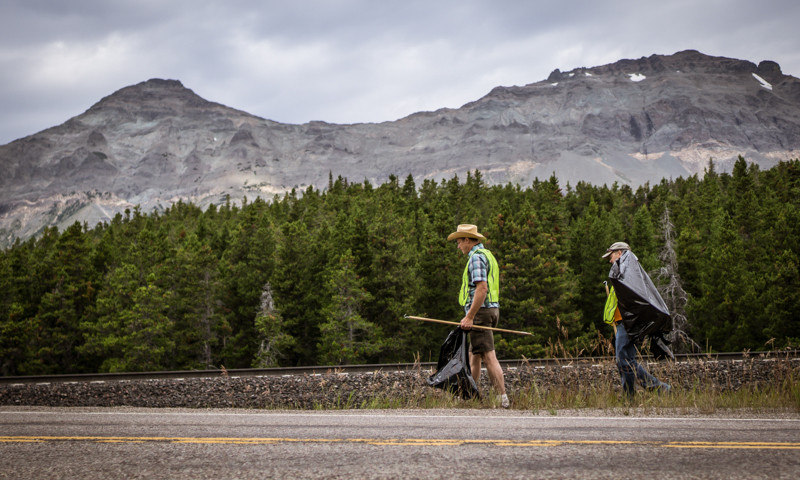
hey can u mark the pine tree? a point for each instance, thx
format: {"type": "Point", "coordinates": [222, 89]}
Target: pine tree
{"type": "Point", "coordinates": [345, 336]}
{"type": "Point", "coordinates": [537, 289]}
{"type": "Point", "coordinates": [271, 331]}
{"type": "Point", "coordinates": [15, 323]}
{"type": "Point", "coordinates": [781, 301]}
{"type": "Point", "coordinates": [245, 268]}
{"type": "Point", "coordinates": [727, 301]}
{"type": "Point", "coordinates": [132, 331]}
{"type": "Point", "coordinates": [589, 237]}
{"type": "Point", "coordinates": [296, 287]}
{"type": "Point", "coordinates": [197, 309]}
{"type": "Point", "coordinates": [392, 262]}
{"type": "Point", "coordinates": [642, 238]}
{"type": "Point", "coordinates": [69, 295]}
{"type": "Point", "coordinates": [148, 340]}
{"type": "Point", "coordinates": [103, 335]}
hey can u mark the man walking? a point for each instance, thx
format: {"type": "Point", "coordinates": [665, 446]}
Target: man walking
{"type": "Point", "coordinates": [480, 295]}
{"type": "Point", "coordinates": [622, 261]}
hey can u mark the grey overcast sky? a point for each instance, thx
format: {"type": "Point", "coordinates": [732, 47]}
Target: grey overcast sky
{"type": "Point", "coordinates": [350, 61]}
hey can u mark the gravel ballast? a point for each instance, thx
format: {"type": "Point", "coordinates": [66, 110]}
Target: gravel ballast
{"type": "Point", "coordinates": [375, 389]}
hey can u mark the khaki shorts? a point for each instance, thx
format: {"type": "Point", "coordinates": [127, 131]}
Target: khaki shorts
{"type": "Point", "coordinates": [482, 341]}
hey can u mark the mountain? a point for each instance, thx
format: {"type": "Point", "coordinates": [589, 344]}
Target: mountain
{"type": "Point", "coordinates": [631, 122]}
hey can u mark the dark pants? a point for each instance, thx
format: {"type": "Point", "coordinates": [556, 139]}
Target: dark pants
{"type": "Point", "coordinates": [629, 369]}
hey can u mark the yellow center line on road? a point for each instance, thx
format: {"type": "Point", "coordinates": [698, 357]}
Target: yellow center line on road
{"type": "Point", "coordinates": [398, 442]}
{"type": "Point", "coordinates": [732, 445]}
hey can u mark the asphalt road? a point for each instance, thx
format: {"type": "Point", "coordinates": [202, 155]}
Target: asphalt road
{"type": "Point", "coordinates": [453, 444]}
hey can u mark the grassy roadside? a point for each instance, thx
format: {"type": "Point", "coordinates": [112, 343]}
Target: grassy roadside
{"type": "Point", "coordinates": [697, 389]}
{"type": "Point", "coordinates": [783, 398]}
{"type": "Point", "coordinates": [763, 384]}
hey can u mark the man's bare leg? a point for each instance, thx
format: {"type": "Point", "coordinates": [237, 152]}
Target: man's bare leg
{"type": "Point", "coordinates": [475, 365]}
{"type": "Point", "coordinates": [495, 372]}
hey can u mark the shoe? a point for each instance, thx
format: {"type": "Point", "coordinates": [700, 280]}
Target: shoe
{"type": "Point", "coordinates": [504, 400]}
{"type": "Point", "coordinates": [662, 389]}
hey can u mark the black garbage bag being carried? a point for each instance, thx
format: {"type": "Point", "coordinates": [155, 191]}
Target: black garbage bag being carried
{"type": "Point", "coordinates": [453, 373]}
{"type": "Point", "coordinates": [643, 311]}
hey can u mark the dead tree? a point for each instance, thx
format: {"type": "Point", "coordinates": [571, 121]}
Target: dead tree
{"type": "Point", "coordinates": [669, 286]}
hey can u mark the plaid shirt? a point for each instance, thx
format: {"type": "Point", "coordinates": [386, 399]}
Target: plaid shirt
{"type": "Point", "coordinates": [478, 271]}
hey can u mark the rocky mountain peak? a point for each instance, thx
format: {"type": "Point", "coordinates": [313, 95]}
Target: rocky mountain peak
{"type": "Point", "coordinates": [687, 61]}
{"type": "Point", "coordinates": [153, 98]}
{"type": "Point", "coordinates": [769, 70]}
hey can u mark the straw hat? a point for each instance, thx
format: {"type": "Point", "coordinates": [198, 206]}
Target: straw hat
{"type": "Point", "coordinates": [466, 231]}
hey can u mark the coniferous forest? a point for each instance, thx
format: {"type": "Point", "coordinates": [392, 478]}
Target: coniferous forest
{"type": "Point", "coordinates": [325, 277]}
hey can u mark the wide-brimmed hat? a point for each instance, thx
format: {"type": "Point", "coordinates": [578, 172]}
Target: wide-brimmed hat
{"type": "Point", "coordinates": [466, 231]}
{"type": "Point", "coordinates": [616, 246]}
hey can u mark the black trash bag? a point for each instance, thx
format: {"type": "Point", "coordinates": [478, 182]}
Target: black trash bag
{"type": "Point", "coordinates": [659, 347]}
{"type": "Point", "coordinates": [643, 311]}
{"type": "Point", "coordinates": [453, 373]}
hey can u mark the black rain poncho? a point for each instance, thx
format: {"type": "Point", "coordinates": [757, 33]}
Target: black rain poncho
{"type": "Point", "coordinates": [453, 372]}
{"type": "Point", "coordinates": [643, 311]}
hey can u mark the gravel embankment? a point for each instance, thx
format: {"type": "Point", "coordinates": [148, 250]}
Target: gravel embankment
{"type": "Point", "coordinates": [337, 390]}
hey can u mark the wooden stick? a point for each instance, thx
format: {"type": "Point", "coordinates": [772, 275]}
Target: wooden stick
{"type": "Point", "coordinates": [474, 326]}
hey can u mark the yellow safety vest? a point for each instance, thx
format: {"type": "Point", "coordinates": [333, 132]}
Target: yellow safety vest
{"type": "Point", "coordinates": [493, 295]}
